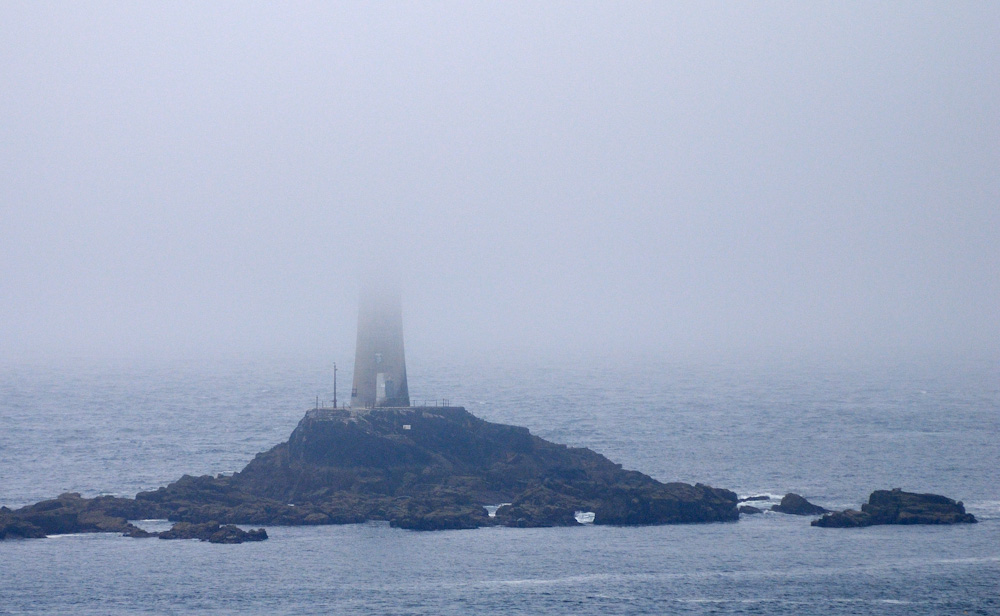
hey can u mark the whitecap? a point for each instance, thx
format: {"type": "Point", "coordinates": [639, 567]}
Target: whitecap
{"type": "Point", "coordinates": [152, 525]}
{"type": "Point", "coordinates": [491, 510]}
{"type": "Point", "coordinates": [769, 495]}
{"type": "Point", "coordinates": [984, 509]}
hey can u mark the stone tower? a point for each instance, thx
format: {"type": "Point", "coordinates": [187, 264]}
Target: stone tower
{"type": "Point", "coordinates": [379, 362]}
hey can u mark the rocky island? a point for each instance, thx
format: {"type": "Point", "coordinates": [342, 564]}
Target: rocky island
{"type": "Point", "coordinates": [429, 468]}
{"type": "Point", "coordinates": [794, 504]}
{"type": "Point", "coordinates": [898, 507]}
{"type": "Point", "coordinates": [423, 468]}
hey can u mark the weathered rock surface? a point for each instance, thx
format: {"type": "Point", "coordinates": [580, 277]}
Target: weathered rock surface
{"type": "Point", "coordinates": [898, 507]}
{"type": "Point", "coordinates": [673, 503]}
{"type": "Point", "coordinates": [433, 468]}
{"type": "Point", "coordinates": [213, 532]}
{"type": "Point", "coordinates": [70, 513]}
{"type": "Point", "coordinates": [419, 468]}
{"type": "Point", "coordinates": [749, 510]}
{"type": "Point", "coordinates": [539, 506]}
{"type": "Point", "coordinates": [12, 527]}
{"type": "Point", "coordinates": [796, 505]}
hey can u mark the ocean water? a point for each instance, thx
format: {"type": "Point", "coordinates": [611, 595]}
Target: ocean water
{"type": "Point", "coordinates": [832, 431]}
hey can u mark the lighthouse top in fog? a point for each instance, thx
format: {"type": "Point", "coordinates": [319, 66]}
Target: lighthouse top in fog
{"type": "Point", "coordinates": [379, 361]}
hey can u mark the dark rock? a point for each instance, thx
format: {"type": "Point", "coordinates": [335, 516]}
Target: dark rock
{"type": "Point", "coordinates": [796, 505]}
{"type": "Point", "coordinates": [70, 513]}
{"type": "Point", "coordinates": [539, 507]}
{"type": "Point", "coordinates": [317, 518]}
{"type": "Point", "coordinates": [428, 516]}
{"type": "Point", "coordinates": [762, 497]}
{"type": "Point", "coordinates": [419, 468]}
{"type": "Point", "coordinates": [750, 510]}
{"type": "Point", "coordinates": [898, 507]}
{"type": "Point", "coordinates": [12, 527]}
{"type": "Point", "coordinates": [671, 503]}
{"type": "Point", "coordinates": [849, 518]}
{"type": "Point", "coordinates": [450, 459]}
{"type": "Point", "coordinates": [187, 530]}
{"type": "Point", "coordinates": [213, 532]}
{"type": "Point", "coordinates": [235, 534]}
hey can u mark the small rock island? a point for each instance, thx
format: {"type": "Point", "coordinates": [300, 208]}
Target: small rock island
{"type": "Point", "coordinates": [429, 468]}
{"type": "Point", "coordinates": [432, 468]}
{"type": "Point", "coordinates": [898, 507]}
{"type": "Point", "coordinates": [422, 468]}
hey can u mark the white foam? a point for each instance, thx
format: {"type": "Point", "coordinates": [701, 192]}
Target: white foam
{"type": "Point", "coordinates": [584, 517]}
{"type": "Point", "coordinates": [491, 510]}
{"type": "Point", "coordinates": [769, 495]}
{"type": "Point", "coordinates": [569, 580]}
{"type": "Point", "coordinates": [153, 525]}
{"type": "Point", "coordinates": [972, 560]}
{"type": "Point", "coordinates": [988, 508]}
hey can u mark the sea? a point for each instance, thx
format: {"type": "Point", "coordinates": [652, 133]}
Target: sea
{"type": "Point", "coordinates": [832, 430]}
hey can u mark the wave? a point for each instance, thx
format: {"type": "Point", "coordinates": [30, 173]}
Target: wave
{"type": "Point", "coordinates": [769, 495]}
{"type": "Point", "coordinates": [491, 510]}
{"type": "Point", "coordinates": [799, 602]}
{"type": "Point", "coordinates": [799, 573]}
{"type": "Point", "coordinates": [984, 510]}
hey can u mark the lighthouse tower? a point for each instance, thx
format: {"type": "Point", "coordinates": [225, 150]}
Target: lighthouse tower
{"type": "Point", "coordinates": [379, 361]}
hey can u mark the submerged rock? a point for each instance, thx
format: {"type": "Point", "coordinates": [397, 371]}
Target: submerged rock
{"type": "Point", "coordinates": [796, 505]}
{"type": "Point", "coordinates": [749, 510]}
{"type": "Point", "coordinates": [898, 507]}
{"type": "Point", "coordinates": [422, 468]}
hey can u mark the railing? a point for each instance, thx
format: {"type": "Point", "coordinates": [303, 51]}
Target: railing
{"type": "Point", "coordinates": [436, 402]}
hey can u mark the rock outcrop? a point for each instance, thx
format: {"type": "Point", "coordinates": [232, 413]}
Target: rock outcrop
{"type": "Point", "coordinates": [796, 505]}
{"type": "Point", "coordinates": [13, 527]}
{"type": "Point", "coordinates": [433, 468]}
{"type": "Point", "coordinates": [70, 513]}
{"type": "Point", "coordinates": [898, 507]}
{"type": "Point", "coordinates": [420, 468]}
{"type": "Point", "coordinates": [213, 532]}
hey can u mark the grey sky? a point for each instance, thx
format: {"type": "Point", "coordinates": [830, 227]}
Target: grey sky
{"type": "Point", "coordinates": [674, 178]}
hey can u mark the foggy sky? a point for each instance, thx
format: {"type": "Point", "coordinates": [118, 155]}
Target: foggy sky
{"type": "Point", "coordinates": [181, 179]}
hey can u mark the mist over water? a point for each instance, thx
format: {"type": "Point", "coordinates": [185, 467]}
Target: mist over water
{"type": "Point", "coordinates": [681, 180]}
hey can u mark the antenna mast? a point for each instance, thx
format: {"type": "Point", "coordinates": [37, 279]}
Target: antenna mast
{"type": "Point", "coordinates": [334, 384]}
